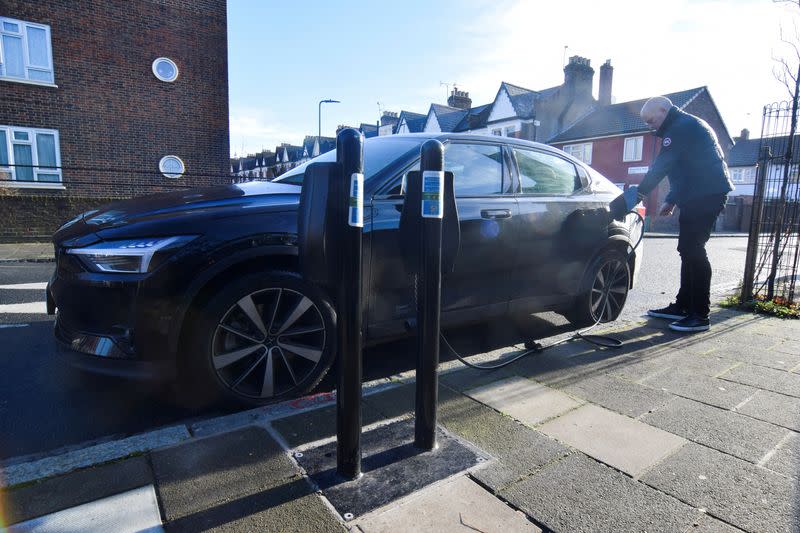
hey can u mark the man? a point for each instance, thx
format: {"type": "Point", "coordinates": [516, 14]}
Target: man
{"type": "Point", "coordinates": [699, 185]}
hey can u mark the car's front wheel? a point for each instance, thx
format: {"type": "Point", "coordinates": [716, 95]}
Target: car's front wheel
{"type": "Point", "coordinates": [260, 339]}
{"type": "Point", "coordinates": [605, 291]}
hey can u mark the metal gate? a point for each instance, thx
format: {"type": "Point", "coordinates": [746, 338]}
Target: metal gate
{"type": "Point", "coordinates": [773, 248]}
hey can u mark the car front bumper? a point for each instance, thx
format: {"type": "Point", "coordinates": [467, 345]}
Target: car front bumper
{"type": "Point", "coordinates": [109, 324]}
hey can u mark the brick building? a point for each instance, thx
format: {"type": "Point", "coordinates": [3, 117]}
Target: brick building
{"type": "Point", "coordinates": [109, 100]}
{"type": "Point", "coordinates": [615, 141]}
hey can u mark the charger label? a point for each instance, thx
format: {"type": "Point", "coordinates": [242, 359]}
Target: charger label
{"type": "Point", "coordinates": [432, 199]}
{"type": "Point", "coordinates": [356, 212]}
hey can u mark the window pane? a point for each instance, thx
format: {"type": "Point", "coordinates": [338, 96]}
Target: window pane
{"type": "Point", "coordinates": [49, 178]}
{"type": "Point", "coordinates": [12, 54]}
{"type": "Point", "coordinates": [3, 148]}
{"type": "Point", "coordinates": [21, 136]}
{"type": "Point", "coordinates": [23, 156]}
{"type": "Point", "coordinates": [477, 169]}
{"type": "Point", "coordinates": [46, 149]}
{"type": "Point", "coordinates": [40, 75]}
{"type": "Point", "coordinates": [541, 173]}
{"type": "Point", "coordinates": [10, 26]}
{"type": "Point", "coordinates": [37, 47]}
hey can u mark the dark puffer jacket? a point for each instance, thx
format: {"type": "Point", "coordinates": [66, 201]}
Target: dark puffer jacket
{"type": "Point", "coordinates": [691, 157]}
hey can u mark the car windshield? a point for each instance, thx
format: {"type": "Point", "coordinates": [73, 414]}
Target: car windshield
{"type": "Point", "coordinates": [378, 153]}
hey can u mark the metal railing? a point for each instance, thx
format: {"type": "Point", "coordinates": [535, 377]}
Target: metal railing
{"type": "Point", "coordinates": [773, 249]}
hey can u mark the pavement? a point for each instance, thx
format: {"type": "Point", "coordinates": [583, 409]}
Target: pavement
{"type": "Point", "coordinates": [26, 251]}
{"type": "Point", "coordinates": [670, 433]}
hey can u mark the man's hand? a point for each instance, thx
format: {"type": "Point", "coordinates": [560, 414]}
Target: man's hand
{"type": "Point", "coordinates": [666, 209]}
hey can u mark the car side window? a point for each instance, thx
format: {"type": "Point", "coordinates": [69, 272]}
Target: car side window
{"type": "Point", "coordinates": [477, 168]}
{"type": "Point", "coordinates": [542, 173]}
{"type": "Point", "coordinates": [399, 187]}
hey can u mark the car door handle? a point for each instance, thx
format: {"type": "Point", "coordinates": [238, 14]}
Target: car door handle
{"type": "Point", "coordinates": [495, 213]}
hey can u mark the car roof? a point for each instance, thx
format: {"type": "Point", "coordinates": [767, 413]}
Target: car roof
{"type": "Point", "coordinates": [509, 141]}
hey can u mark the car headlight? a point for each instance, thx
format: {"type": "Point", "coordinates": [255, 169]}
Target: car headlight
{"type": "Point", "coordinates": [129, 256]}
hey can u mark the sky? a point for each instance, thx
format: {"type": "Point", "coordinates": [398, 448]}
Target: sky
{"type": "Point", "coordinates": [376, 55]}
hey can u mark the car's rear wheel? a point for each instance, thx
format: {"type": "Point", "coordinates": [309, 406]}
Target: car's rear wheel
{"type": "Point", "coordinates": [606, 291]}
{"type": "Point", "coordinates": [261, 339]}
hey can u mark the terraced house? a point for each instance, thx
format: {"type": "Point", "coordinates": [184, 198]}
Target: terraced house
{"type": "Point", "coordinates": [107, 100]}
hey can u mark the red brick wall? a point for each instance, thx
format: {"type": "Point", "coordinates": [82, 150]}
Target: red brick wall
{"type": "Point", "coordinates": [111, 112]}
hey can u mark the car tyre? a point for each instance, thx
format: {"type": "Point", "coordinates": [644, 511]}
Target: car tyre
{"type": "Point", "coordinates": [606, 284]}
{"type": "Point", "coordinates": [261, 339]}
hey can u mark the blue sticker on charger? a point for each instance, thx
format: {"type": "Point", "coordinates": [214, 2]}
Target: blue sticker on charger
{"type": "Point", "coordinates": [356, 212]}
{"type": "Point", "coordinates": [432, 199]}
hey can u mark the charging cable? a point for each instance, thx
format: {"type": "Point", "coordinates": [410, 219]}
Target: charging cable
{"type": "Point", "coordinates": [603, 341]}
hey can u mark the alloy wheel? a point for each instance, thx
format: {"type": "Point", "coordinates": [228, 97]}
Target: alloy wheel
{"type": "Point", "coordinates": [609, 290]}
{"type": "Point", "coordinates": [268, 343]}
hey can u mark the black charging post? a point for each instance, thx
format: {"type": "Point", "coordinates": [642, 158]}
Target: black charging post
{"type": "Point", "coordinates": [431, 183]}
{"type": "Point", "coordinates": [350, 156]}
{"type": "Point", "coordinates": [330, 222]}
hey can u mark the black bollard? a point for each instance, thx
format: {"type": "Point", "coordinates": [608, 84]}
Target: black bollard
{"type": "Point", "coordinates": [350, 220]}
{"type": "Point", "coordinates": [429, 293]}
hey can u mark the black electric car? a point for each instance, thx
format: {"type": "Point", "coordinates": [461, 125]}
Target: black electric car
{"type": "Point", "coordinates": [202, 287]}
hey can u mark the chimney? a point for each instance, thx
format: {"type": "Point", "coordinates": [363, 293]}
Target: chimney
{"type": "Point", "coordinates": [606, 75]}
{"type": "Point", "coordinates": [459, 99]}
{"type": "Point", "coordinates": [745, 135]}
{"type": "Point", "coordinates": [388, 117]}
{"type": "Point", "coordinates": [578, 77]}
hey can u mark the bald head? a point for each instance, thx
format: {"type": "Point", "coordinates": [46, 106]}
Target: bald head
{"type": "Point", "coordinates": [655, 110]}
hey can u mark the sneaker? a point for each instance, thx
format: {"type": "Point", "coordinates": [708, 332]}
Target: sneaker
{"type": "Point", "coordinates": [691, 323]}
{"type": "Point", "coordinates": [672, 311]}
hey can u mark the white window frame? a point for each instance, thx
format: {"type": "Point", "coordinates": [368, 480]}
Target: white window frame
{"type": "Point", "coordinates": [497, 132]}
{"type": "Point", "coordinates": [581, 151]}
{"type": "Point", "coordinates": [10, 142]}
{"type": "Point", "coordinates": [743, 175]}
{"type": "Point", "coordinates": [508, 130]}
{"type": "Point", "coordinates": [638, 143]}
{"type": "Point", "coordinates": [23, 34]}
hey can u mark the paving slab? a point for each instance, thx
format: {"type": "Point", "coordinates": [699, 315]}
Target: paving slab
{"type": "Point", "coordinates": [772, 407]}
{"type": "Point", "coordinates": [471, 378]}
{"type": "Point", "coordinates": [688, 383]}
{"type": "Point", "coordinates": [726, 431]}
{"type": "Point", "coordinates": [453, 507]}
{"type": "Point", "coordinates": [786, 457]}
{"type": "Point", "coordinates": [708, 524]}
{"type": "Point", "coordinates": [202, 473]}
{"type": "Point", "coordinates": [578, 494]}
{"type": "Point", "coordinates": [737, 348]}
{"type": "Point", "coordinates": [519, 450]}
{"type": "Point", "coordinates": [651, 363]}
{"type": "Point", "coordinates": [787, 346]}
{"type": "Point", "coordinates": [775, 328]}
{"type": "Point", "coordinates": [765, 378]}
{"type": "Point", "coordinates": [290, 507]}
{"type": "Point", "coordinates": [529, 402]}
{"type": "Point", "coordinates": [619, 394]}
{"type": "Point", "coordinates": [70, 490]}
{"type": "Point", "coordinates": [614, 439]}
{"type": "Point", "coordinates": [318, 424]}
{"type": "Point", "coordinates": [392, 403]}
{"type": "Point", "coordinates": [132, 511]}
{"type": "Point", "coordinates": [550, 366]}
{"type": "Point", "coordinates": [730, 489]}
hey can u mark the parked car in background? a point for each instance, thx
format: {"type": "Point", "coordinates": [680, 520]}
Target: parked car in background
{"type": "Point", "coordinates": [202, 286]}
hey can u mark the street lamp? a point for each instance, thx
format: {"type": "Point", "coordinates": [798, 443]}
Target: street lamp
{"type": "Point", "coordinates": [319, 115]}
